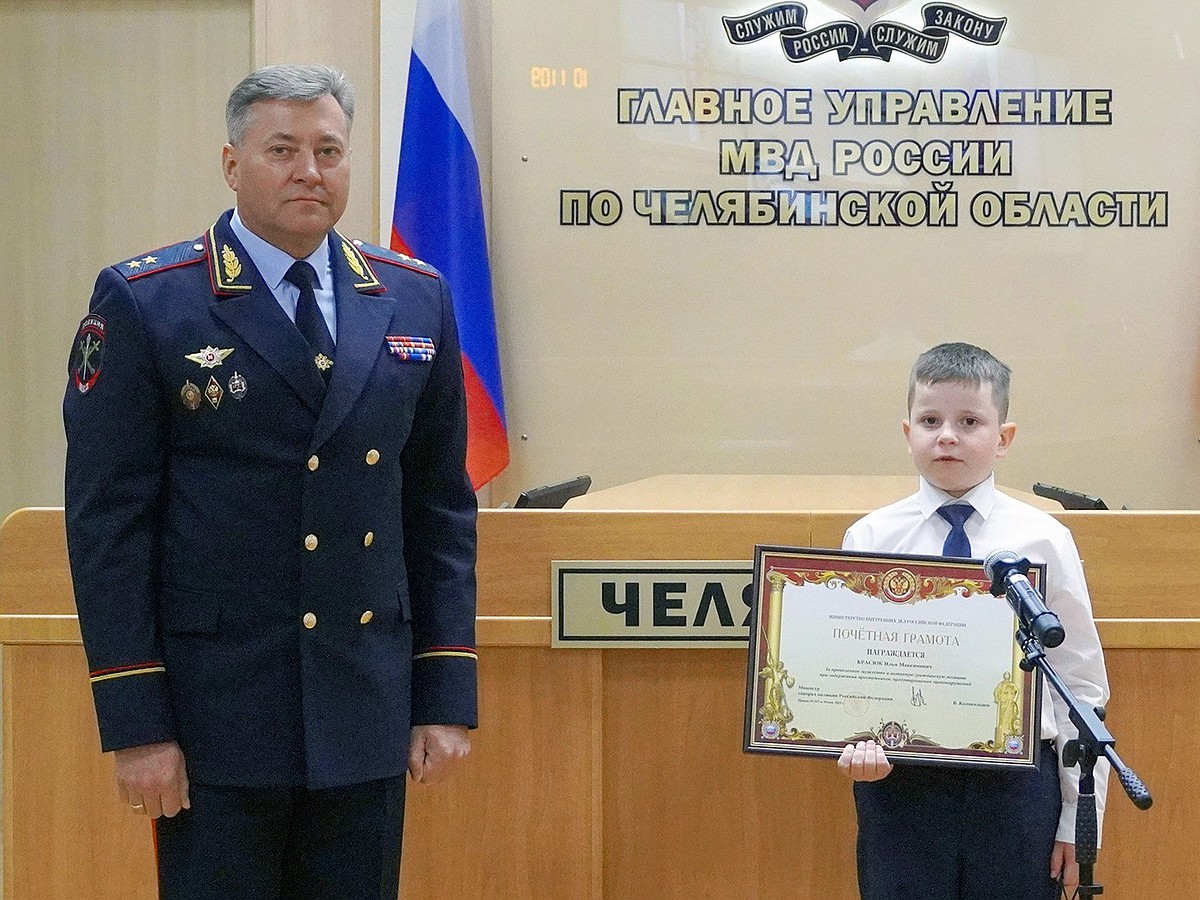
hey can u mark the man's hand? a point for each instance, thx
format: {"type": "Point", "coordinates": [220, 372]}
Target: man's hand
{"type": "Point", "coordinates": [864, 761]}
{"type": "Point", "coordinates": [1062, 863]}
{"type": "Point", "coordinates": [434, 749]}
{"type": "Point", "coordinates": [152, 779]}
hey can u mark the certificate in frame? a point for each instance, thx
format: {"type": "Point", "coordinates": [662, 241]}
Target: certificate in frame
{"type": "Point", "coordinates": [912, 652]}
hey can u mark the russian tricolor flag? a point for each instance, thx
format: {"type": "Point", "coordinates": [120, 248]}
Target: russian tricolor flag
{"type": "Point", "coordinates": [438, 217]}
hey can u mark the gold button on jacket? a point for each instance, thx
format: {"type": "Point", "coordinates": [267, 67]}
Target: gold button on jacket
{"type": "Point", "coordinates": [368, 539]}
{"type": "Point", "coordinates": [310, 620]}
{"type": "Point", "coordinates": [366, 617]}
{"type": "Point", "coordinates": [372, 457]}
{"type": "Point", "coordinates": [313, 462]}
{"type": "Point", "coordinates": [310, 542]}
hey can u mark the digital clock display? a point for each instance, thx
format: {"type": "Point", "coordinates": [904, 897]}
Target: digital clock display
{"type": "Point", "coordinates": [543, 78]}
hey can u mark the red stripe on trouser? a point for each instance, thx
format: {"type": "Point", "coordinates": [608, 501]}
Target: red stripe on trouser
{"type": "Point", "coordinates": [154, 839]}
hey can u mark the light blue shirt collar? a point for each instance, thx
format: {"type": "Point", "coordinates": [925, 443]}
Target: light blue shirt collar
{"type": "Point", "coordinates": [272, 263]}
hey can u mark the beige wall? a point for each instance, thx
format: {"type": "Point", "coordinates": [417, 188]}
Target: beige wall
{"type": "Point", "coordinates": [632, 350]}
{"type": "Point", "coordinates": [113, 148]}
{"type": "Point", "coordinates": [629, 351]}
{"type": "Point", "coordinates": [113, 132]}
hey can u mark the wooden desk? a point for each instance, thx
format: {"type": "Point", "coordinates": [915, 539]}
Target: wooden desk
{"type": "Point", "coordinates": [607, 773]}
{"type": "Point", "coordinates": [766, 493]}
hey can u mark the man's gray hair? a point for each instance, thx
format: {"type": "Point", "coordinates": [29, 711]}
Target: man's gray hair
{"type": "Point", "coordinates": [964, 363]}
{"type": "Point", "coordinates": [303, 83]}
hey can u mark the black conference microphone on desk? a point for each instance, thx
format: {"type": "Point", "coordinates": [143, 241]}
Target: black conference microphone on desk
{"type": "Point", "coordinates": [1007, 571]}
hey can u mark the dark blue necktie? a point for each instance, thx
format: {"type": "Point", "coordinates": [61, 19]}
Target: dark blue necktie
{"type": "Point", "coordinates": [309, 320]}
{"type": "Point", "coordinates": [957, 543]}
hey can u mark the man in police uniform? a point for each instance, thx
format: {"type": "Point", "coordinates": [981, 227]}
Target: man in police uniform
{"type": "Point", "coordinates": [271, 530]}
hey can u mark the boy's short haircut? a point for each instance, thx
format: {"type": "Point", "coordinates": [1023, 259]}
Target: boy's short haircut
{"type": "Point", "coordinates": [965, 363]}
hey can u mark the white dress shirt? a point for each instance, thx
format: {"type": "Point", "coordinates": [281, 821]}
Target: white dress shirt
{"type": "Point", "coordinates": [1000, 522]}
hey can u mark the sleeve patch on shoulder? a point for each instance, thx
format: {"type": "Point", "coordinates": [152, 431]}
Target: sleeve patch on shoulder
{"type": "Point", "coordinates": [87, 353]}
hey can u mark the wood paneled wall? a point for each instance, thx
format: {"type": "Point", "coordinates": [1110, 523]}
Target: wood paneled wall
{"type": "Point", "coordinates": [605, 773]}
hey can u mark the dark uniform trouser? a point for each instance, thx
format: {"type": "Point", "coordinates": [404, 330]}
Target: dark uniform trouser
{"type": "Point", "coordinates": [284, 843]}
{"type": "Point", "coordinates": [949, 834]}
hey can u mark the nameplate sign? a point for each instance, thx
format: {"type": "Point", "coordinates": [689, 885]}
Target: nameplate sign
{"type": "Point", "coordinates": [651, 603]}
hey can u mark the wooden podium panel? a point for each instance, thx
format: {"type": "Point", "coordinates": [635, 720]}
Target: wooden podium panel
{"type": "Point", "coordinates": [687, 814]}
{"type": "Point", "coordinates": [66, 832]}
{"type": "Point", "coordinates": [607, 773]}
{"type": "Point", "coordinates": [1153, 717]}
{"type": "Point", "coordinates": [522, 817]}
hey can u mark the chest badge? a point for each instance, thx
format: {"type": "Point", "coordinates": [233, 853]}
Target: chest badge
{"type": "Point", "coordinates": [410, 348]}
{"type": "Point", "coordinates": [209, 357]}
{"type": "Point", "coordinates": [213, 392]}
{"type": "Point", "coordinates": [190, 394]}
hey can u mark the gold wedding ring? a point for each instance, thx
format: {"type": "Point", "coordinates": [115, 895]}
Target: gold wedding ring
{"type": "Point", "coordinates": [137, 805]}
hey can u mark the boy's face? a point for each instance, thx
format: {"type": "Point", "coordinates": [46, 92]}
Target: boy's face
{"type": "Point", "coordinates": [955, 435]}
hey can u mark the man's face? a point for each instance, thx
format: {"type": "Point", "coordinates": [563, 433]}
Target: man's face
{"type": "Point", "coordinates": [955, 435]}
{"type": "Point", "coordinates": [291, 171]}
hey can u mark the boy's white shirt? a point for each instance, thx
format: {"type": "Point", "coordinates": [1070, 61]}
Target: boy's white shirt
{"type": "Point", "coordinates": [1001, 522]}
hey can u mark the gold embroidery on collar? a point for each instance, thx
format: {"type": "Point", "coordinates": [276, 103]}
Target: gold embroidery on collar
{"type": "Point", "coordinates": [233, 265]}
{"type": "Point", "coordinates": [352, 259]}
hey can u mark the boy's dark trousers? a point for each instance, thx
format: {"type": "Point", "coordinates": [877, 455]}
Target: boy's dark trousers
{"type": "Point", "coordinates": [929, 833]}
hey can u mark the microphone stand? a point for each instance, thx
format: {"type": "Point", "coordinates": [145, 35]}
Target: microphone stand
{"type": "Point", "coordinates": [1094, 740]}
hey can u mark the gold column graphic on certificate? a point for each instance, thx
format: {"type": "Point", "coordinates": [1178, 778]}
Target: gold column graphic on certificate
{"type": "Point", "coordinates": [911, 652]}
{"type": "Point", "coordinates": [1008, 710]}
{"type": "Point", "coordinates": [1010, 700]}
{"type": "Point", "coordinates": [775, 707]}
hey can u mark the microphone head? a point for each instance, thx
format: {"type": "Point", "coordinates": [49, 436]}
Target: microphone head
{"type": "Point", "coordinates": [1001, 558]}
{"type": "Point", "coordinates": [1052, 633]}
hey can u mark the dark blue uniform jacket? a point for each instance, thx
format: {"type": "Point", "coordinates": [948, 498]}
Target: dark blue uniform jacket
{"type": "Point", "coordinates": [278, 576]}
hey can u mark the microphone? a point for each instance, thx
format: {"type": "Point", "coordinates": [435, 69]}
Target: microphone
{"type": "Point", "coordinates": [1007, 571]}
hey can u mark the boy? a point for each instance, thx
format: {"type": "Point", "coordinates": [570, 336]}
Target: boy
{"type": "Point", "coordinates": [957, 834]}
